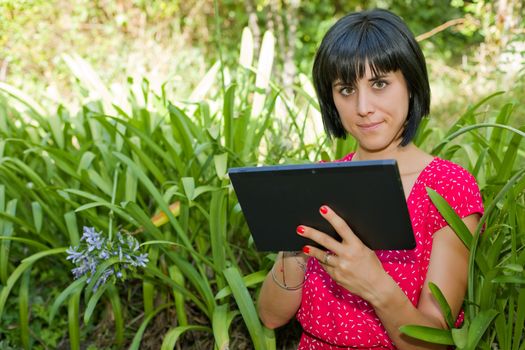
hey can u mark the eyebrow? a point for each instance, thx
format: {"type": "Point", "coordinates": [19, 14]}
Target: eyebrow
{"type": "Point", "coordinates": [373, 79]}
{"type": "Point", "coordinates": [378, 77]}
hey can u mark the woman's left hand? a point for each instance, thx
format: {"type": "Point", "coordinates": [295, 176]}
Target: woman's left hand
{"type": "Point", "coordinates": [350, 263]}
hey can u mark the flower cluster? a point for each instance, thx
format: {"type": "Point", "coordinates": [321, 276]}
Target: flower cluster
{"type": "Point", "coordinates": [94, 249]}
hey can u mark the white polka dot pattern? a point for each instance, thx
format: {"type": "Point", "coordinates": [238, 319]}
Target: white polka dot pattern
{"type": "Point", "coordinates": [333, 318]}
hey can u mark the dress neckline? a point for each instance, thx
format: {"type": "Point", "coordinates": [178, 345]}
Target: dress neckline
{"type": "Point", "coordinates": [419, 176]}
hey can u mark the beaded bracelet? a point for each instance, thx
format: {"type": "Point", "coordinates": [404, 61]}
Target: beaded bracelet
{"type": "Point", "coordinates": [284, 285]}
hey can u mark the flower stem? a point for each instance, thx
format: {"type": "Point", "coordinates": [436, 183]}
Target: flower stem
{"type": "Point", "coordinates": [113, 198]}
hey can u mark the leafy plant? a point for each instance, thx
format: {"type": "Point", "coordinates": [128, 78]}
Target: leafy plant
{"type": "Point", "coordinates": [495, 308]}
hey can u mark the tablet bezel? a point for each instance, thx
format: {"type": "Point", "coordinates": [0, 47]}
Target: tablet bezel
{"type": "Point", "coordinates": [276, 199]}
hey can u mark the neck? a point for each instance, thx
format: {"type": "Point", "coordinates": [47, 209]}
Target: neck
{"type": "Point", "coordinates": [396, 152]}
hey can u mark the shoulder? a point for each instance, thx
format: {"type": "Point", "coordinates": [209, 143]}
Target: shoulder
{"type": "Point", "coordinates": [457, 185]}
{"type": "Point", "coordinates": [447, 173]}
{"type": "Point", "coordinates": [346, 158]}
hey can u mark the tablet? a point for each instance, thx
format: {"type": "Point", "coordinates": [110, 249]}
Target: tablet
{"type": "Point", "coordinates": [368, 195]}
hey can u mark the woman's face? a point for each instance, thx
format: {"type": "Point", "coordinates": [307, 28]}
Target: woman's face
{"type": "Point", "coordinates": [374, 110]}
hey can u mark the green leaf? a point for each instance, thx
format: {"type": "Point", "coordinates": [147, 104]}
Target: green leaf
{"type": "Point", "coordinates": [24, 98]}
{"type": "Point", "coordinates": [37, 216]}
{"type": "Point", "coordinates": [218, 226]}
{"type": "Point", "coordinates": [478, 327]}
{"type": "Point", "coordinates": [513, 267]}
{"type": "Point", "coordinates": [98, 273]}
{"type": "Point", "coordinates": [520, 320]}
{"type": "Point", "coordinates": [221, 321]}
{"type": "Point", "coordinates": [27, 241]}
{"type": "Point", "coordinates": [5, 245]}
{"type": "Point", "coordinates": [428, 334]}
{"type": "Point", "coordinates": [153, 271]}
{"type": "Point", "coordinates": [72, 229]}
{"type": "Point", "coordinates": [20, 269]}
{"type": "Point", "coordinates": [451, 217]}
{"type": "Point", "coordinates": [248, 280]}
{"type": "Point", "coordinates": [92, 303]}
{"type": "Point", "coordinates": [116, 306]}
{"type": "Point", "coordinates": [509, 279]}
{"type": "Point", "coordinates": [188, 183]}
{"type": "Point", "coordinates": [221, 164]}
{"type": "Point", "coordinates": [23, 309]}
{"type": "Point", "coordinates": [74, 287]}
{"type": "Point", "coordinates": [180, 309]}
{"type": "Point", "coordinates": [73, 316]}
{"type": "Point", "coordinates": [137, 339]}
{"type": "Point", "coordinates": [246, 307]}
{"type": "Point", "coordinates": [171, 337]}
{"type": "Point", "coordinates": [443, 304]}
{"type": "Point", "coordinates": [85, 161]}
{"type": "Point", "coordinates": [460, 336]}
{"type": "Point", "coordinates": [40, 255]}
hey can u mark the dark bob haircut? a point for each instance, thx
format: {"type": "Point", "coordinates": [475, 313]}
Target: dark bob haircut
{"type": "Point", "coordinates": [381, 40]}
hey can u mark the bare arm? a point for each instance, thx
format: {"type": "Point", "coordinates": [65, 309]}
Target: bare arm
{"type": "Point", "coordinates": [448, 269]}
{"type": "Point", "coordinates": [277, 305]}
{"type": "Point", "coordinates": [358, 269]}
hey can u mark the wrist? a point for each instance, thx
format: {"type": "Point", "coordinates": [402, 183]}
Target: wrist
{"type": "Point", "coordinates": [288, 270]}
{"type": "Point", "coordinates": [383, 291]}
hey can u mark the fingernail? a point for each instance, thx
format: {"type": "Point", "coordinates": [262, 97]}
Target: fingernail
{"type": "Point", "coordinates": [323, 209]}
{"type": "Point", "coordinates": [306, 249]}
{"type": "Point", "coordinates": [300, 230]}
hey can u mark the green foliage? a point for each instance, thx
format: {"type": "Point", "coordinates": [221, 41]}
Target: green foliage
{"type": "Point", "coordinates": [113, 167]}
{"type": "Point", "coordinates": [121, 158]}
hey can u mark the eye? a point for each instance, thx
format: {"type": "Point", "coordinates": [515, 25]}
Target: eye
{"type": "Point", "coordinates": [346, 90]}
{"type": "Point", "coordinates": [380, 84]}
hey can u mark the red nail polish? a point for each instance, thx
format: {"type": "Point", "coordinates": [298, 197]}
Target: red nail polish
{"type": "Point", "coordinates": [300, 230]}
{"type": "Point", "coordinates": [323, 209]}
{"type": "Point", "coordinates": [306, 249]}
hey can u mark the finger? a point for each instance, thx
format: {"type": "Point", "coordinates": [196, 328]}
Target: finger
{"type": "Point", "coordinates": [319, 237]}
{"type": "Point", "coordinates": [324, 257]}
{"type": "Point", "coordinates": [340, 226]}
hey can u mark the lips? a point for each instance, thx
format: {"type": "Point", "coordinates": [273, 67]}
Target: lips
{"type": "Point", "coordinates": [369, 126]}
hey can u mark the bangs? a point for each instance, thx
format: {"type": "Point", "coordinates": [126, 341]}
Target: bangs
{"type": "Point", "coordinates": [356, 49]}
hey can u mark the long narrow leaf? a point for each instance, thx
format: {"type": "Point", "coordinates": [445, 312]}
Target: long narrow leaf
{"type": "Point", "coordinates": [451, 217]}
{"type": "Point", "coordinates": [248, 280]}
{"type": "Point", "coordinates": [116, 306]}
{"type": "Point", "coordinates": [73, 288]}
{"type": "Point", "coordinates": [73, 316]}
{"type": "Point", "coordinates": [23, 305]}
{"type": "Point", "coordinates": [428, 334]}
{"type": "Point", "coordinates": [171, 337]}
{"type": "Point", "coordinates": [246, 307]}
{"type": "Point", "coordinates": [443, 304]}
{"type": "Point", "coordinates": [137, 339]}
{"type": "Point", "coordinates": [221, 320]}
{"type": "Point", "coordinates": [478, 327]}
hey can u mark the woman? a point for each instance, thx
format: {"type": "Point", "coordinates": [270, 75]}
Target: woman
{"type": "Point", "coordinates": [371, 81]}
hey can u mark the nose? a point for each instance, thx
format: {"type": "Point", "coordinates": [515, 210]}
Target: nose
{"type": "Point", "coordinates": [365, 104]}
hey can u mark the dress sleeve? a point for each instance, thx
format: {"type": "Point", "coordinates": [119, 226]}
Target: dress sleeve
{"type": "Point", "coordinates": [460, 190]}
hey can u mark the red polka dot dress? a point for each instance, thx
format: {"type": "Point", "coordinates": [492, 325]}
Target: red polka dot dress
{"type": "Point", "coordinates": [333, 318]}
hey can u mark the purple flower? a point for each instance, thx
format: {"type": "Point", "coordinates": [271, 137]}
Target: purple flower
{"type": "Point", "coordinates": [94, 249]}
{"type": "Point", "coordinates": [104, 255]}
{"type": "Point", "coordinates": [74, 255]}
{"type": "Point", "coordinates": [141, 261]}
{"type": "Point", "coordinates": [102, 280]}
{"type": "Point", "coordinates": [92, 238]}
